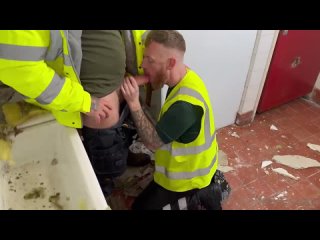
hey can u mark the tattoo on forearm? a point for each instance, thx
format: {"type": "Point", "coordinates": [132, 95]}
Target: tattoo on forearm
{"type": "Point", "coordinates": [146, 130]}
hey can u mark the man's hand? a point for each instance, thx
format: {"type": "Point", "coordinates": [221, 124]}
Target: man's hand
{"type": "Point", "coordinates": [130, 92]}
{"type": "Point", "coordinates": [100, 109]}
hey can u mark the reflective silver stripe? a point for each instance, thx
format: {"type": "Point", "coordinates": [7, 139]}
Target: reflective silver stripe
{"type": "Point", "coordinates": [67, 60]}
{"type": "Point", "coordinates": [208, 138]}
{"type": "Point", "coordinates": [130, 49]}
{"type": "Point", "coordinates": [167, 207]}
{"type": "Point", "coordinates": [52, 90]}
{"type": "Point", "coordinates": [182, 202]}
{"type": "Point", "coordinates": [22, 53]}
{"type": "Point", "coordinates": [186, 175]}
{"type": "Point", "coordinates": [190, 150]}
{"type": "Point", "coordinates": [75, 52]}
{"type": "Point", "coordinates": [144, 36]}
{"type": "Point", "coordinates": [55, 48]}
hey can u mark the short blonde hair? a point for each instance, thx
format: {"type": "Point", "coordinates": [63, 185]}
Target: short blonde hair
{"type": "Point", "coordinates": [168, 38]}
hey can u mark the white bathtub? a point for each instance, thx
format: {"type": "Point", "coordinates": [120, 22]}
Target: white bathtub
{"type": "Point", "coordinates": [51, 171]}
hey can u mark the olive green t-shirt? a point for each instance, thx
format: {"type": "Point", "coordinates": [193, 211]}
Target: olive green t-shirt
{"type": "Point", "coordinates": [103, 61]}
{"type": "Point", "coordinates": [181, 122]}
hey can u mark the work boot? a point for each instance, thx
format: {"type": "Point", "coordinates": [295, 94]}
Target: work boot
{"type": "Point", "coordinates": [212, 196]}
{"type": "Point", "coordinates": [225, 188]}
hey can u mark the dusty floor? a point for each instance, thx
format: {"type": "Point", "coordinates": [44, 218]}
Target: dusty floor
{"type": "Point", "coordinates": [298, 123]}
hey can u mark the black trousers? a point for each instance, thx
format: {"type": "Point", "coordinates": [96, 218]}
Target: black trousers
{"type": "Point", "coordinates": [155, 197]}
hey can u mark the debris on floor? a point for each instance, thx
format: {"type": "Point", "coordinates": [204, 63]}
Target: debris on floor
{"type": "Point", "coordinates": [134, 180]}
{"type": "Point", "coordinates": [285, 173]}
{"type": "Point", "coordinates": [138, 147]}
{"type": "Point", "coordinates": [281, 196]}
{"type": "Point", "coordinates": [266, 163]}
{"type": "Point", "coordinates": [223, 158]}
{"type": "Point", "coordinates": [257, 184]}
{"type": "Point", "coordinates": [139, 155]}
{"type": "Point", "coordinates": [225, 169]}
{"type": "Point", "coordinates": [273, 127]}
{"type": "Point", "coordinates": [129, 185]}
{"type": "Point", "coordinates": [234, 134]}
{"type": "Point", "coordinates": [314, 147]}
{"type": "Point", "coordinates": [296, 161]}
{"type": "Point", "coordinates": [223, 162]}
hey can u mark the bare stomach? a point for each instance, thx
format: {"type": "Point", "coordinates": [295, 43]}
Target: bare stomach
{"type": "Point", "coordinates": [113, 100]}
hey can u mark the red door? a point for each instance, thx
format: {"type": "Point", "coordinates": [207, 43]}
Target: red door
{"type": "Point", "coordinates": [294, 68]}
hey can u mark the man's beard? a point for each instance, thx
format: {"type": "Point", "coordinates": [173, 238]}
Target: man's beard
{"type": "Point", "coordinates": [158, 81]}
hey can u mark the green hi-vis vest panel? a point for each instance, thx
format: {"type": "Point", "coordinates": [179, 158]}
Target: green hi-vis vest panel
{"type": "Point", "coordinates": [181, 167]}
{"type": "Point", "coordinates": [39, 65]}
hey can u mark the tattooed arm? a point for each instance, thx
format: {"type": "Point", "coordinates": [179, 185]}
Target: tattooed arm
{"type": "Point", "coordinates": [145, 128]}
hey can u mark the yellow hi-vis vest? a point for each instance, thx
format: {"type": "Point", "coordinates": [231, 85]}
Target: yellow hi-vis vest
{"type": "Point", "coordinates": [38, 64]}
{"type": "Point", "coordinates": [139, 38]}
{"type": "Point", "coordinates": [181, 167]}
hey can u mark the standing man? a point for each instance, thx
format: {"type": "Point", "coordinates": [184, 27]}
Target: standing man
{"type": "Point", "coordinates": [44, 67]}
{"type": "Point", "coordinates": [108, 55]}
{"type": "Point", "coordinates": [184, 137]}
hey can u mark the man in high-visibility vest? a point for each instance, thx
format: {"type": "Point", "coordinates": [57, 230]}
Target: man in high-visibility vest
{"type": "Point", "coordinates": [44, 66]}
{"type": "Point", "coordinates": [184, 138]}
{"type": "Point", "coordinates": [107, 56]}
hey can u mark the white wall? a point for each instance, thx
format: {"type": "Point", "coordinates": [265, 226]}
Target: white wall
{"type": "Point", "coordinates": [221, 58]}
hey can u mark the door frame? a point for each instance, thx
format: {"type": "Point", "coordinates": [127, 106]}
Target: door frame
{"type": "Point", "coordinates": [256, 77]}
